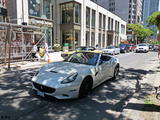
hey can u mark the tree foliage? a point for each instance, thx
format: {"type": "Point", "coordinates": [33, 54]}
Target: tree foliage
{"type": "Point", "coordinates": [155, 42]}
{"type": "Point", "coordinates": [154, 19]}
{"type": "Point", "coordinates": [139, 31]}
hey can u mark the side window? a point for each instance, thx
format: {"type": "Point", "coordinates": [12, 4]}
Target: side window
{"type": "Point", "coordinates": [105, 58]}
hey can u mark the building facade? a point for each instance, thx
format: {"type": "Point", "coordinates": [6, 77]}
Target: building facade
{"type": "Point", "coordinates": [3, 10]}
{"type": "Point", "coordinates": [37, 13]}
{"type": "Point", "coordinates": [149, 6]}
{"type": "Point", "coordinates": [70, 22]}
{"type": "Point", "coordinates": [129, 10]}
{"type": "Point", "coordinates": [85, 23]}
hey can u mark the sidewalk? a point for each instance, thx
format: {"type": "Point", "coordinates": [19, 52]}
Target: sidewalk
{"type": "Point", "coordinates": [54, 57]}
{"type": "Point", "coordinates": [144, 105]}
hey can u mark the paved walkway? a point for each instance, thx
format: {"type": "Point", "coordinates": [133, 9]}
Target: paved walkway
{"type": "Point", "coordinates": [144, 105]}
{"type": "Point", "coordinates": [54, 57]}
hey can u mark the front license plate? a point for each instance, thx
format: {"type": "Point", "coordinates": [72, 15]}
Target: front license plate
{"type": "Point", "coordinates": [40, 93]}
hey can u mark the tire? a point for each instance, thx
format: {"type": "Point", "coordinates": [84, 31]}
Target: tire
{"type": "Point", "coordinates": [85, 87]}
{"type": "Point", "coordinates": [116, 72]}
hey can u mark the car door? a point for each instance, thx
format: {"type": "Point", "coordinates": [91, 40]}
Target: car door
{"type": "Point", "coordinates": [105, 67]}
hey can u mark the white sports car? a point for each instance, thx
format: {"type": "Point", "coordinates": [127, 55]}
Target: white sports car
{"type": "Point", "coordinates": [75, 76]}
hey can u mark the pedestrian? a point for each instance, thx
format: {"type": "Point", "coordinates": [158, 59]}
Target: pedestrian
{"type": "Point", "coordinates": [46, 55]}
{"type": "Point", "coordinates": [158, 50]}
{"type": "Point", "coordinates": [34, 51]}
{"type": "Point", "coordinates": [96, 46]}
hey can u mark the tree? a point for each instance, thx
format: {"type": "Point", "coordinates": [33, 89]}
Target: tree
{"type": "Point", "coordinates": [139, 31]}
{"type": "Point", "coordinates": [154, 19]}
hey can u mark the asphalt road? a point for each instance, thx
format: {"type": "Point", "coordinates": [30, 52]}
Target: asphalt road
{"type": "Point", "coordinates": [105, 102]}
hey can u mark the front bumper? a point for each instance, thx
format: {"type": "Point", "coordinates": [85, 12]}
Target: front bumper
{"type": "Point", "coordinates": [63, 91]}
{"type": "Point", "coordinates": [141, 50]}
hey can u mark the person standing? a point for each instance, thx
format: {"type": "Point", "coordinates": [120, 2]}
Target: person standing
{"type": "Point", "coordinates": [34, 51]}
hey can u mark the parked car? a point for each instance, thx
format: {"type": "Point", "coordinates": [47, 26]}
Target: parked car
{"type": "Point", "coordinates": [111, 50]}
{"type": "Point", "coordinates": [75, 76]}
{"type": "Point", "coordinates": [142, 47]}
{"type": "Point", "coordinates": [151, 47]}
{"type": "Point", "coordinates": [155, 47]}
{"type": "Point", "coordinates": [131, 47]}
{"type": "Point", "coordinates": [124, 48]}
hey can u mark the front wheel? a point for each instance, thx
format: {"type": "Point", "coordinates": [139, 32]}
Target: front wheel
{"type": "Point", "coordinates": [85, 87]}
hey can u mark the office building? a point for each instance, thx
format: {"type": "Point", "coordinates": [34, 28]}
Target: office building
{"type": "Point", "coordinates": [3, 10]}
{"type": "Point", "coordinates": [85, 23]}
{"type": "Point", "coordinates": [129, 10]}
{"type": "Point", "coordinates": [72, 22]}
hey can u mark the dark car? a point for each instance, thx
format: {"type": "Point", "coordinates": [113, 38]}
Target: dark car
{"type": "Point", "coordinates": [124, 48]}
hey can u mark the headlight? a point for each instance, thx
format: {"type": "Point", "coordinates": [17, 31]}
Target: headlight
{"type": "Point", "coordinates": [70, 78]}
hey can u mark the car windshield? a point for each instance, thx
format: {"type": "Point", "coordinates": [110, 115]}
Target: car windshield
{"type": "Point", "coordinates": [142, 45]}
{"type": "Point", "coordinates": [110, 47]}
{"type": "Point", "coordinates": [87, 58]}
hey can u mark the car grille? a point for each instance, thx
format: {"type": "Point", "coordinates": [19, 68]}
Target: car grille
{"type": "Point", "coordinates": [43, 88]}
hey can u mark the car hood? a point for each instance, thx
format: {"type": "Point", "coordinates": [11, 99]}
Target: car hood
{"type": "Point", "coordinates": [54, 73]}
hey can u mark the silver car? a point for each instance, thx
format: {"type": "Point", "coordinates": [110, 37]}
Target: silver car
{"type": "Point", "coordinates": [111, 50]}
{"type": "Point", "coordinates": [75, 76]}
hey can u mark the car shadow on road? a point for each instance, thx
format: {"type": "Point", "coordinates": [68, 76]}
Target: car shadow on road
{"type": "Point", "coordinates": [105, 101]}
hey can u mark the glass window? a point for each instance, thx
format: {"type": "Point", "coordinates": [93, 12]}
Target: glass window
{"type": "Point", "coordinates": [67, 13]}
{"type": "Point", "coordinates": [77, 13]}
{"type": "Point", "coordinates": [40, 8]}
{"type": "Point", "coordinates": [93, 18]}
{"type": "Point", "coordinates": [100, 20]}
{"type": "Point", "coordinates": [88, 16]}
{"type": "Point", "coordinates": [93, 39]}
{"type": "Point", "coordinates": [67, 37]}
{"type": "Point", "coordinates": [99, 39]}
{"type": "Point", "coordinates": [109, 23]}
{"type": "Point", "coordinates": [46, 9]}
{"type": "Point", "coordinates": [103, 44]}
{"type": "Point", "coordinates": [87, 38]}
{"type": "Point", "coordinates": [77, 38]}
{"type": "Point", "coordinates": [104, 22]}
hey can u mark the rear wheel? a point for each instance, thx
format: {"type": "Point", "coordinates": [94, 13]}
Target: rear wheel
{"type": "Point", "coordinates": [85, 87]}
{"type": "Point", "coordinates": [116, 72]}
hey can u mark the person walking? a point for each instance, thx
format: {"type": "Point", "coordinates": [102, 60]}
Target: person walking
{"type": "Point", "coordinates": [158, 50]}
{"type": "Point", "coordinates": [34, 51]}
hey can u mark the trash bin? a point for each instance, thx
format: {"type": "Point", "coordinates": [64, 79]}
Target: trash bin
{"type": "Point", "coordinates": [66, 47]}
